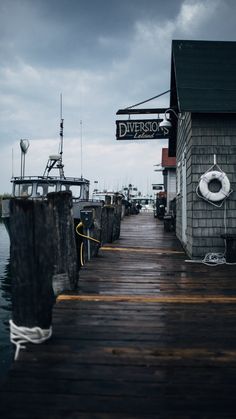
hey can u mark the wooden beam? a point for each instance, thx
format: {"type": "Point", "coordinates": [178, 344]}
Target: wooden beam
{"type": "Point", "coordinates": [142, 250]}
{"type": "Point", "coordinates": [163, 299]}
{"type": "Point", "coordinates": [128, 111]}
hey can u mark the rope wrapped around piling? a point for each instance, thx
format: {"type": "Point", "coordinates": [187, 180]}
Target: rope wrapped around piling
{"type": "Point", "coordinates": [20, 335]}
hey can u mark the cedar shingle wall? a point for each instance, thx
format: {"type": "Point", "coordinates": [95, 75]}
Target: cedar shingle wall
{"type": "Point", "coordinates": [183, 143]}
{"type": "Point", "coordinates": [203, 136]}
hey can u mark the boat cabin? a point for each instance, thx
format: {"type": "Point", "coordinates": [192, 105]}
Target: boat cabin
{"type": "Point", "coordinates": [107, 197]}
{"type": "Point", "coordinates": [146, 202]}
{"type": "Point", "coordinates": [34, 187]}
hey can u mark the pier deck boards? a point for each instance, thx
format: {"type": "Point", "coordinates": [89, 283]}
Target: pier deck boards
{"type": "Point", "coordinates": [148, 335]}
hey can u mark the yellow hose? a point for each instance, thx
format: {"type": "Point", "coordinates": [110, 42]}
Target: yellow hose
{"type": "Point", "coordinates": [83, 235]}
{"type": "Point", "coordinates": [81, 254]}
{"type": "Point", "coordinates": [82, 244]}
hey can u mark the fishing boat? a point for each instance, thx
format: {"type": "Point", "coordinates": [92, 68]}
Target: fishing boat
{"type": "Point", "coordinates": [104, 196]}
{"type": "Point", "coordinates": [38, 187]}
{"type": "Point", "coordinates": [146, 203]}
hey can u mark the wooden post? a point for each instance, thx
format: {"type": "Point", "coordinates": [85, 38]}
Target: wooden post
{"type": "Point", "coordinates": [32, 263]}
{"type": "Point", "coordinates": [110, 219]}
{"type": "Point", "coordinates": [117, 221]}
{"type": "Point", "coordinates": [104, 225]}
{"type": "Point", "coordinates": [65, 253]}
{"type": "Point", "coordinates": [42, 246]}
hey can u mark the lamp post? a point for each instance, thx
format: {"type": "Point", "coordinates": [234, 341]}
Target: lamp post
{"type": "Point", "coordinates": [24, 145]}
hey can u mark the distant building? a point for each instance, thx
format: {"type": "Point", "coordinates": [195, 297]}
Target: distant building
{"type": "Point", "coordinates": [203, 94]}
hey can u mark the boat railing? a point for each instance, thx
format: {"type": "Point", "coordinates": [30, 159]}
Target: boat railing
{"type": "Point", "coordinates": [48, 179]}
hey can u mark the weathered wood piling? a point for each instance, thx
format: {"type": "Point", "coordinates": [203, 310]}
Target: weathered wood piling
{"type": "Point", "coordinates": [105, 227]}
{"type": "Point", "coordinates": [43, 255]}
{"type": "Point", "coordinates": [32, 265]}
{"type": "Point", "coordinates": [65, 274]}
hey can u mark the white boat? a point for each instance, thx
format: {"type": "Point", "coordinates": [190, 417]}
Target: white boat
{"type": "Point", "coordinates": [146, 203]}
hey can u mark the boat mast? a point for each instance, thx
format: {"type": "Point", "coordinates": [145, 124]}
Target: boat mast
{"type": "Point", "coordinates": [60, 165]}
{"type": "Point", "coordinates": [55, 162]}
{"type": "Point", "coordinates": [81, 148]}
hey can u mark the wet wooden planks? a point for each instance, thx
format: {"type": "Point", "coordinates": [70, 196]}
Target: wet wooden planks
{"type": "Point", "coordinates": [147, 336]}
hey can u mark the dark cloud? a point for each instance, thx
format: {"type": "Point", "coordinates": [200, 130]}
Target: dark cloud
{"type": "Point", "coordinates": [69, 33]}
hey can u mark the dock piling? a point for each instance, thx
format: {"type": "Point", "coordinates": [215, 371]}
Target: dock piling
{"type": "Point", "coordinates": [43, 255]}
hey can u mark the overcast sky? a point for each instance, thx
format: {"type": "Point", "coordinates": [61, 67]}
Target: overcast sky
{"type": "Point", "coordinates": [102, 55]}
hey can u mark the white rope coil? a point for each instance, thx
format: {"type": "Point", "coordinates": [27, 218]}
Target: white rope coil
{"type": "Point", "coordinates": [214, 259]}
{"type": "Point", "coordinates": [20, 335]}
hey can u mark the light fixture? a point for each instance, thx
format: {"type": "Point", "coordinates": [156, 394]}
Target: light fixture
{"type": "Point", "coordinates": [166, 123]}
{"type": "Point", "coordinates": [24, 145]}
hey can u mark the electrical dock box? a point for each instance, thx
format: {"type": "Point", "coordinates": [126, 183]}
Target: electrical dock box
{"type": "Point", "coordinates": [86, 218]}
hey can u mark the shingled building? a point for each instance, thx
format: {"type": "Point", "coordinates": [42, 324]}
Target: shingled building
{"type": "Point", "coordinates": [203, 94]}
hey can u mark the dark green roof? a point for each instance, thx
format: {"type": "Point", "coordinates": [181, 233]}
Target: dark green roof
{"type": "Point", "coordinates": [203, 76]}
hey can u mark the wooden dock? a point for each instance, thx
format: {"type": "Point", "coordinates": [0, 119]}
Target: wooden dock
{"type": "Point", "coordinates": [148, 335]}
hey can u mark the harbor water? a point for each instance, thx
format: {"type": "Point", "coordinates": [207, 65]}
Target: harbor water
{"type": "Point", "coordinates": [6, 350]}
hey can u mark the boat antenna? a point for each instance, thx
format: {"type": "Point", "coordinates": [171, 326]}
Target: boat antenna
{"type": "Point", "coordinates": [61, 129]}
{"type": "Point", "coordinates": [12, 161]}
{"type": "Point", "coordinates": [81, 148]}
{"type": "Point", "coordinates": [60, 164]}
{"type": "Point", "coordinates": [55, 162]}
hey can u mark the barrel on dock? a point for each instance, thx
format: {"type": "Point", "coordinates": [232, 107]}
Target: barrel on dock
{"type": "Point", "coordinates": [230, 247]}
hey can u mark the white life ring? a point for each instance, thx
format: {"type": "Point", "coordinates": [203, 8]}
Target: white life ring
{"type": "Point", "coordinates": [204, 186]}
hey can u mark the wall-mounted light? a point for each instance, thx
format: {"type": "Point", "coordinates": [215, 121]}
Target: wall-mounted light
{"type": "Point", "coordinates": [166, 123]}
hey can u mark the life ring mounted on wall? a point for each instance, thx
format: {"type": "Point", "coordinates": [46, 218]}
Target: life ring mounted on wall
{"type": "Point", "coordinates": [205, 181]}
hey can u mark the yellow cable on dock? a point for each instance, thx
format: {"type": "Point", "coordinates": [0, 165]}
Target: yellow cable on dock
{"type": "Point", "coordinates": [82, 244]}
{"type": "Point", "coordinates": [83, 235]}
{"type": "Point", "coordinates": [81, 254]}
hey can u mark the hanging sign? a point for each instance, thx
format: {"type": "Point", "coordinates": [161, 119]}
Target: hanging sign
{"type": "Point", "coordinates": [141, 129]}
{"type": "Point", "coordinates": [157, 187]}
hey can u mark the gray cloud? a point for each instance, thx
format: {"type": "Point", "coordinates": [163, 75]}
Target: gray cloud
{"type": "Point", "coordinates": [65, 34]}
{"type": "Point", "coordinates": [102, 55]}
